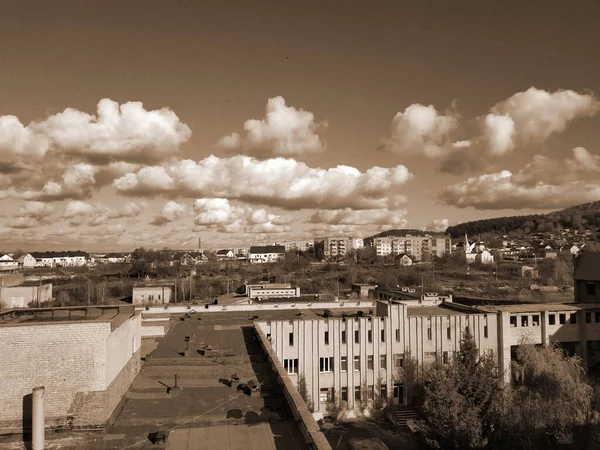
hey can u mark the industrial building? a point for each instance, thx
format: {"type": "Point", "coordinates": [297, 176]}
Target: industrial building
{"type": "Point", "coordinates": [15, 292]}
{"type": "Point", "coordinates": [84, 357]}
{"type": "Point", "coordinates": [367, 360]}
{"type": "Point", "coordinates": [151, 295]}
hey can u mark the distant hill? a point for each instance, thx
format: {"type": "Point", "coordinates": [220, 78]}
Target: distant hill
{"type": "Point", "coordinates": [579, 217]}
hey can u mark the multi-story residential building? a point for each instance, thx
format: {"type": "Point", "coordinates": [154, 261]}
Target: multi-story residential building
{"type": "Point", "coordinates": [335, 247]}
{"type": "Point", "coordinates": [266, 253]}
{"type": "Point", "coordinates": [359, 362]}
{"type": "Point", "coordinates": [300, 246]}
{"type": "Point", "coordinates": [418, 247]}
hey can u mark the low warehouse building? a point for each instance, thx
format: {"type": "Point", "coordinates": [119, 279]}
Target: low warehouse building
{"type": "Point", "coordinates": [151, 295]}
{"type": "Point", "coordinates": [84, 357]}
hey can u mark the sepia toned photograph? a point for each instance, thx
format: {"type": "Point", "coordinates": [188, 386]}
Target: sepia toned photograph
{"type": "Point", "coordinates": [285, 225]}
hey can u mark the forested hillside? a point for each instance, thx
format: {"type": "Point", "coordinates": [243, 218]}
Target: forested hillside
{"type": "Point", "coordinates": [579, 217]}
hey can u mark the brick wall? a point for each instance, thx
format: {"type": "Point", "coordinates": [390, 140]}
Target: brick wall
{"type": "Point", "coordinates": [71, 360]}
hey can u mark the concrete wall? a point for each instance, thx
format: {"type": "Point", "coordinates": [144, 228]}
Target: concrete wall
{"type": "Point", "coordinates": [403, 338]}
{"type": "Point", "coordinates": [261, 292]}
{"type": "Point", "coordinates": [313, 436]}
{"type": "Point", "coordinates": [22, 296]}
{"type": "Point", "coordinates": [83, 366]}
{"type": "Point", "coordinates": [141, 295]}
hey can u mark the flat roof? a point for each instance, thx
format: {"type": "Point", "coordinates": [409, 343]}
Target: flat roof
{"type": "Point", "coordinates": [437, 310]}
{"type": "Point", "coordinates": [115, 314]}
{"type": "Point", "coordinates": [537, 307]}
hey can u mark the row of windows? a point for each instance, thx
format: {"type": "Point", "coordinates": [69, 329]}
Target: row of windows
{"type": "Point", "coordinates": [562, 319]}
{"type": "Point", "coordinates": [429, 332]}
{"type": "Point", "coordinates": [370, 392]}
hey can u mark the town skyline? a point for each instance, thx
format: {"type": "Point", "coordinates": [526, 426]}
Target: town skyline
{"type": "Point", "coordinates": [125, 127]}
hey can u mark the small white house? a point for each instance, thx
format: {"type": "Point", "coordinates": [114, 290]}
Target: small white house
{"type": "Point", "coordinates": [266, 253]}
{"type": "Point", "coordinates": [7, 263]}
{"type": "Point", "coordinates": [26, 261]}
{"type": "Point", "coordinates": [404, 260]}
{"type": "Point", "coordinates": [484, 257]}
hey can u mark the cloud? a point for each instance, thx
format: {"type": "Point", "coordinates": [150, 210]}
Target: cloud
{"type": "Point", "coordinates": [285, 131]}
{"type": "Point", "coordinates": [420, 130]}
{"type": "Point", "coordinates": [500, 131]}
{"type": "Point", "coordinates": [279, 182]}
{"type": "Point", "coordinates": [438, 225]}
{"type": "Point", "coordinates": [361, 217]}
{"type": "Point", "coordinates": [79, 212]}
{"type": "Point", "coordinates": [170, 211]}
{"type": "Point", "coordinates": [220, 214]}
{"type": "Point", "coordinates": [30, 215]}
{"type": "Point", "coordinates": [126, 132]}
{"type": "Point", "coordinates": [541, 184]}
{"type": "Point", "coordinates": [72, 154]}
{"type": "Point", "coordinates": [530, 117]}
{"type": "Point", "coordinates": [462, 144]}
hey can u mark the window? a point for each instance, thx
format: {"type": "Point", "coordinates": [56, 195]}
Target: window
{"type": "Point", "coordinates": [591, 288]}
{"type": "Point", "coordinates": [291, 338]}
{"type": "Point", "coordinates": [448, 333]}
{"type": "Point", "coordinates": [326, 364]}
{"type": "Point", "coordinates": [357, 363]}
{"type": "Point", "coordinates": [399, 360]}
{"type": "Point", "coordinates": [397, 335]}
{"type": "Point", "coordinates": [597, 317]}
{"type": "Point", "coordinates": [356, 337]}
{"type": "Point", "coordinates": [357, 393]}
{"type": "Point", "coordinates": [383, 392]}
{"type": "Point", "coordinates": [150, 297]}
{"type": "Point", "coordinates": [524, 321]}
{"type": "Point", "coordinates": [573, 319]}
{"type": "Point", "coordinates": [446, 357]}
{"type": "Point", "coordinates": [513, 321]}
{"type": "Point", "coordinates": [383, 361]}
{"type": "Point", "coordinates": [291, 365]}
{"type": "Point", "coordinates": [344, 363]}
{"type": "Point", "coordinates": [370, 336]}
{"type": "Point", "coordinates": [382, 335]}
{"type": "Point", "coordinates": [588, 317]}
{"type": "Point", "coordinates": [428, 334]}
{"type": "Point", "coordinates": [371, 392]}
{"type": "Point", "coordinates": [327, 338]}
{"type": "Point", "coordinates": [344, 337]}
{"type": "Point", "coordinates": [344, 394]}
{"type": "Point", "coordinates": [485, 331]}
{"type": "Point", "coordinates": [552, 319]}
{"type": "Point", "coordinates": [562, 318]}
{"type": "Point", "coordinates": [370, 362]}
{"type": "Point", "coordinates": [535, 320]}
{"type": "Point", "coordinates": [159, 296]}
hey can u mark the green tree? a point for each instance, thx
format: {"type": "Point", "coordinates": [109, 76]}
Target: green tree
{"type": "Point", "coordinates": [459, 399]}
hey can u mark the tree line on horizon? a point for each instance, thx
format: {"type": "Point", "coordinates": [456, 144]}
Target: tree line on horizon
{"type": "Point", "coordinates": [579, 217]}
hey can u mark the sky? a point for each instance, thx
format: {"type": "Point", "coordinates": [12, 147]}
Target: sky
{"type": "Point", "coordinates": [151, 123]}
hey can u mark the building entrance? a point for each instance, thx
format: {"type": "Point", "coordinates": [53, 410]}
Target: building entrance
{"type": "Point", "coordinates": [398, 394]}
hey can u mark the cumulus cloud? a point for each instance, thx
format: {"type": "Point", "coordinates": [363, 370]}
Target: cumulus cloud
{"type": "Point", "coordinates": [285, 131]}
{"type": "Point", "coordinates": [79, 212]}
{"type": "Point", "coordinates": [71, 154]}
{"type": "Point", "coordinates": [170, 211]}
{"type": "Point", "coordinates": [541, 184]}
{"type": "Point", "coordinates": [530, 117]}
{"type": "Point", "coordinates": [421, 130]}
{"type": "Point", "coordinates": [30, 215]}
{"type": "Point", "coordinates": [361, 217]}
{"type": "Point", "coordinates": [279, 182]}
{"type": "Point", "coordinates": [220, 214]}
{"type": "Point", "coordinates": [438, 225]}
{"type": "Point", "coordinates": [126, 132]}
{"type": "Point", "coordinates": [500, 131]}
